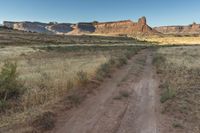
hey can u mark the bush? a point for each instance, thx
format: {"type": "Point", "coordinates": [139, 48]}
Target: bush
{"type": "Point", "coordinates": [129, 54]}
{"type": "Point", "coordinates": [82, 78]}
{"type": "Point", "coordinates": [167, 94]}
{"type": "Point", "coordinates": [44, 122]}
{"type": "Point", "coordinates": [124, 93]}
{"type": "Point", "coordinates": [112, 61]}
{"type": "Point", "coordinates": [158, 59]}
{"type": "Point", "coordinates": [3, 105]}
{"type": "Point", "coordinates": [103, 71]}
{"type": "Point", "coordinates": [75, 99]}
{"type": "Point", "coordinates": [10, 87]}
{"type": "Point", "coordinates": [121, 61]}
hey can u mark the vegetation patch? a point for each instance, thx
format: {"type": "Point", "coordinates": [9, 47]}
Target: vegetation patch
{"type": "Point", "coordinates": [174, 40]}
{"type": "Point", "coordinates": [124, 94]}
{"type": "Point", "coordinates": [178, 69]}
{"type": "Point", "coordinates": [121, 61]}
{"type": "Point", "coordinates": [57, 74]}
{"type": "Point", "coordinates": [82, 78]}
{"type": "Point", "coordinates": [167, 94]}
{"type": "Point", "coordinates": [103, 71]}
{"type": "Point", "coordinates": [44, 122]}
{"type": "Point", "coordinates": [76, 98]}
{"type": "Point", "coordinates": [10, 87]}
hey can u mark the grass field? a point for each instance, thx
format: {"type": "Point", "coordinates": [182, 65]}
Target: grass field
{"type": "Point", "coordinates": [37, 71]}
{"type": "Point", "coordinates": [14, 37]}
{"type": "Point", "coordinates": [173, 40]}
{"type": "Point", "coordinates": [179, 71]}
{"type": "Point", "coordinates": [48, 74]}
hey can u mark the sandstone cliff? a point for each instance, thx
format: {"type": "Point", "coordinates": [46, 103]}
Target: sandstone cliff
{"type": "Point", "coordinates": [182, 30]}
{"type": "Point", "coordinates": [126, 27]}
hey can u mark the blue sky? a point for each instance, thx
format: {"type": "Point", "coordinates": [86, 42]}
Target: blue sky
{"type": "Point", "coordinates": [158, 12]}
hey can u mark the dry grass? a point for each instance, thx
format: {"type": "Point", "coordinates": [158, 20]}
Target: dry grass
{"type": "Point", "coordinates": [47, 78]}
{"type": "Point", "coordinates": [49, 75]}
{"type": "Point", "coordinates": [14, 37]}
{"type": "Point", "coordinates": [179, 71]}
{"type": "Point", "coordinates": [170, 40]}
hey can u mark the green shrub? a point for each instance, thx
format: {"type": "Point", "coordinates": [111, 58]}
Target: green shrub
{"type": "Point", "coordinates": [49, 48]}
{"type": "Point", "coordinates": [112, 61]}
{"type": "Point", "coordinates": [44, 121]}
{"type": "Point", "coordinates": [124, 93]}
{"type": "Point", "coordinates": [129, 53]}
{"type": "Point", "coordinates": [103, 71]}
{"type": "Point", "coordinates": [177, 125]}
{"type": "Point", "coordinates": [3, 105]}
{"type": "Point", "coordinates": [167, 94]}
{"type": "Point", "coordinates": [10, 87]}
{"type": "Point", "coordinates": [158, 59]}
{"type": "Point", "coordinates": [121, 61]}
{"type": "Point", "coordinates": [75, 99]}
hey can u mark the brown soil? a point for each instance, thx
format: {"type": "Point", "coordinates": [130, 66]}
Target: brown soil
{"type": "Point", "coordinates": [125, 103]}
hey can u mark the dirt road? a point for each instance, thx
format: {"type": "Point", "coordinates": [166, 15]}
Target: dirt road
{"type": "Point", "coordinates": [125, 103]}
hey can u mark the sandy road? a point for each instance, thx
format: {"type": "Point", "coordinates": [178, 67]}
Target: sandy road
{"type": "Point", "coordinates": [141, 116]}
{"type": "Point", "coordinates": [125, 103]}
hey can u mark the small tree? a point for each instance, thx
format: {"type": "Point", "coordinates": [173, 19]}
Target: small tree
{"type": "Point", "coordinates": [10, 87]}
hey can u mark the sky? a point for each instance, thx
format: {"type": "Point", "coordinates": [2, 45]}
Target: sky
{"type": "Point", "coordinates": [157, 12]}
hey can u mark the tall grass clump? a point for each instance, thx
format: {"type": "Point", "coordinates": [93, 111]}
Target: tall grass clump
{"type": "Point", "coordinates": [129, 53]}
{"type": "Point", "coordinates": [103, 70]}
{"type": "Point", "coordinates": [167, 94]}
{"type": "Point", "coordinates": [114, 62]}
{"type": "Point", "coordinates": [122, 60]}
{"type": "Point", "coordinates": [10, 86]}
{"type": "Point", "coordinates": [82, 78]}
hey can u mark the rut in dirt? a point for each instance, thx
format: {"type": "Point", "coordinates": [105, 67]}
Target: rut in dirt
{"type": "Point", "coordinates": [125, 103]}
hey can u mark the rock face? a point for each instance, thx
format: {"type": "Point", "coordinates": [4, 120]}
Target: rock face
{"type": "Point", "coordinates": [142, 21]}
{"type": "Point", "coordinates": [60, 28]}
{"type": "Point", "coordinates": [82, 28]}
{"type": "Point", "coordinates": [182, 30]}
{"type": "Point", "coordinates": [27, 26]}
{"type": "Point", "coordinates": [126, 27]}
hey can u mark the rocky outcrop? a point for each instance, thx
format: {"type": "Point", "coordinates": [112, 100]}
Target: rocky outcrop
{"type": "Point", "coordinates": [27, 26]}
{"type": "Point", "coordinates": [8, 24]}
{"type": "Point", "coordinates": [60, 28]}
{"type": "Point", "coordinates": [31, 27]}
{"type": "Point", "coordinates": [82, 28]}
{"type": "Point", "coordinates": [184, 30]}
{"type": "Point", "coordinates": [126, 27]}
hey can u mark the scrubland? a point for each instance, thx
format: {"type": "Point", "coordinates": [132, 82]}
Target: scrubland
{"type": "Point", "coordinates": [179, 72]}
{"type": "Point", "coordinates": [174, 40]}
{"type": "Point", "coordinates": [15, 37]}
{"type": "Point", "coordinates": [40, 74]}
{"type": "Point", "coordinates": [39, 77]}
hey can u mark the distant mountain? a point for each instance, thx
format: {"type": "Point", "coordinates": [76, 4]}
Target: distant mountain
{"type": "Point", "coordinates": [126, 27]}
{"type": "Point", "coordinates": [182, 30]}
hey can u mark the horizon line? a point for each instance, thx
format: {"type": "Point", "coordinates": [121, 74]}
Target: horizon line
{"type": "Point", "coordinates": [76, 22]}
